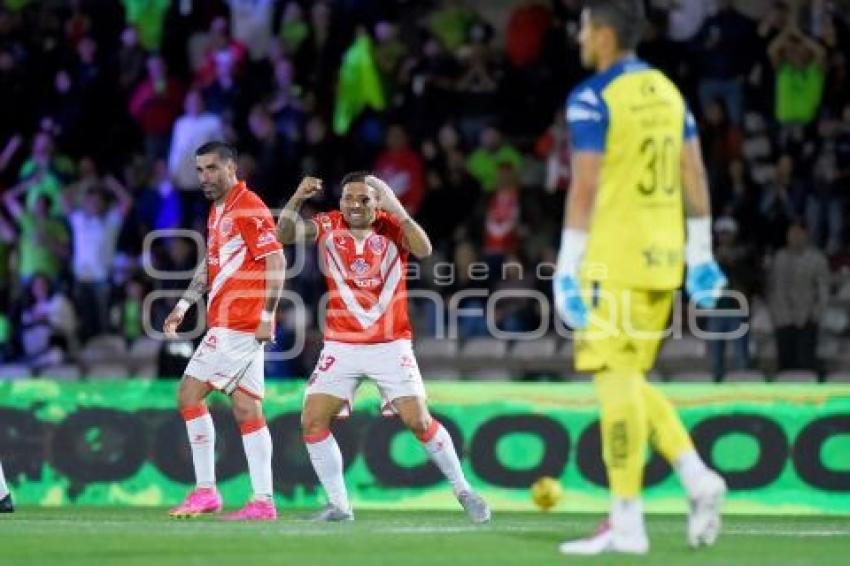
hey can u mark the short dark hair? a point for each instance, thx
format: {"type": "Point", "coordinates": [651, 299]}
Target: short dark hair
{"type": "Point", "coordinates": [354, 177]}
{"type": "Point", "coordinates": [625, 17]}
{"type": "Point", "coordinates": [223, 150]}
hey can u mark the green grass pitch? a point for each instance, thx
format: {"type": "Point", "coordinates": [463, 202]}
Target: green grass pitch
{"type": "Point", "coordinates": [127, 536]}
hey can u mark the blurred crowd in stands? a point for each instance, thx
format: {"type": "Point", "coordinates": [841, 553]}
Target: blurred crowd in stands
{"type": "Point", "coordinates": [458, 104]}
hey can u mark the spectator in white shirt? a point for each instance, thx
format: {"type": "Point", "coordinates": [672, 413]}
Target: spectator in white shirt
{"type": "Point", "coordinates": [94, 230]}
{"type": "Point", "coordinates": [191, 130]}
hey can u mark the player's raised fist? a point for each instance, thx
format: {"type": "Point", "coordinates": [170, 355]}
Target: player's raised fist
{"type": "Point", "coordinates": [309, 187]}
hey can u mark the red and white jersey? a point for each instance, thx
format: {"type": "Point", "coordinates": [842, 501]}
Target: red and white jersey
{"type": "Point", "coordinates": [240, 235]}
{"type": "Point", "coordinates": [367, 300]}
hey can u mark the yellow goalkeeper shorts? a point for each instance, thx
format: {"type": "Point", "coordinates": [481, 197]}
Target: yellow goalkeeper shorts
{"type": "Point", "coordinates": [625, 327]}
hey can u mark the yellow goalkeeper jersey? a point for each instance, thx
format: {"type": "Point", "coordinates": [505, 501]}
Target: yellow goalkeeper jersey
{"type": "Point", "coordinates": [636, 118]}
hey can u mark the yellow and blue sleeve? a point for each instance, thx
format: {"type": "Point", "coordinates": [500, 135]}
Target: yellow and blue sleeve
{"type": "Point", "coordinates": [587, 120]}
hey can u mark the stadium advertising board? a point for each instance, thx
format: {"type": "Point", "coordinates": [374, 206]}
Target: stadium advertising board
{"type": "Point", "coordinates": [782, 448]}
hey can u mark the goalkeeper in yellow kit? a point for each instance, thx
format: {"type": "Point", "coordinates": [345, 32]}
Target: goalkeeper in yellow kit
{"type": "Point", "coordinates": [638, 211]}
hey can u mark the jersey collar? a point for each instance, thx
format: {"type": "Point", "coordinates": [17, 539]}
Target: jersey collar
{"type": "Point", "coordinates": [234, 194]}
{"type": "Point", "coordinates": [624, 64]}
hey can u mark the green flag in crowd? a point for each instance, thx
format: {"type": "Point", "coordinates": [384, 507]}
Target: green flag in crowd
{"type": "Point", "coordinates": [359, 85]}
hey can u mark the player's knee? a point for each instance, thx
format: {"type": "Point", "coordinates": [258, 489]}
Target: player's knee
{"type": "Point", "coordinates": [187, 397]}
{"type": "Point", "coordinates": [313, 423]}
{"type": "Point", "coordinates": [418, 424]}
{"type": "Point", "coordinates": [247, 412]}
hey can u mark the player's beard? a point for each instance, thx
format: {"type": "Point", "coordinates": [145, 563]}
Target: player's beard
{"type": "Point", "coordinates": [363, 221]}
{"type": "Point", "coordinates": [211, 191]}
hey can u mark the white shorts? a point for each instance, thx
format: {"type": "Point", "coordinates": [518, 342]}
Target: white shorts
{"type": "Point", "coordinates": [228, 360]}
{"type": "Point", "coordinates": [342, 367]}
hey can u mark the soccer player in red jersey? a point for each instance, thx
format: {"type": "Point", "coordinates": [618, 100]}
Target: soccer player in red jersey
{"type": "Point", "coordinates": [363, 249]}
{"type": "Point", "coordinates": [243, 272]}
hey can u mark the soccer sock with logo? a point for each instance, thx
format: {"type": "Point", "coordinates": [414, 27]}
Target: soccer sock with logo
{"type": "Point", "coordinates": [441, 449]}
{"type": "Point", "coordinates": [624, 429]}
{"type": "Point", "coordinates": [670, 437]}
{"type": "Point", "coordinates": [258, 450]}
{"type": "Point", "coordinates": [199, 424]}
{"type": "Point", "coordinates": [4, 491]}
{"type": "Point", "coordinates": [327, 462]}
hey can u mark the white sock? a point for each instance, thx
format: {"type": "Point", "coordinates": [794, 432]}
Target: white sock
{"type": "Point", "coordinates": [199, 424]}
{"type": "Point", "coordinates": [258, 450]}
{"type": "Point", "coordinates": [441, 449]}
{"type": "Point", "coordinates": [4, 491]}
{"type": "Point", "coordinates": [327, 462]}
{"type": "Point", "coordinates": [690, 468]}
{"type": "Point", "coordinates": [627, 516]}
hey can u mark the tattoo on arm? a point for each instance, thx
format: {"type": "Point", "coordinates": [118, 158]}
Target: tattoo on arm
{"type": "Point", "coordinates": [287, 224]}
{"type": "Point", "coordinates": [198, 286]}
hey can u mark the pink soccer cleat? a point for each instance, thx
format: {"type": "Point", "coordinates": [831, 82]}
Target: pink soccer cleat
{"type": "Point", "coordinates": [201, 500]}
{"type": "Point", "coordinates": [257, 510]}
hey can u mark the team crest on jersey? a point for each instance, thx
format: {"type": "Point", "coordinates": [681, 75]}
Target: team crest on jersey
{"type": "Point", "coordinates": [226, 226]}
{"type": "Point", "coordinates": [266, 239]}
{"type": "Point", "coordinates": [378, 244]}
{"type": "Point", "coordinates": [359, 266]}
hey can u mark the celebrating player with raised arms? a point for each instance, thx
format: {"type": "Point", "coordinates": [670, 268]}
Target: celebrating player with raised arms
{"type": "Point", "coordinates": [243, 272]}
{"type": "Point", "coordinates": [623, 250]}
{"type": "Point", "coordinates": [363, 249]}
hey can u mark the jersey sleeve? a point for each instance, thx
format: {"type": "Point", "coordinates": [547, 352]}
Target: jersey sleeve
{"type": "Point", "coordinates": [258, 232]}
{"type": "Point", "coordinates": [587, 120]}
{"type": "Point", "coordinates": [391, 228]}
{"type": "Point", "coordinates": [690, 125]}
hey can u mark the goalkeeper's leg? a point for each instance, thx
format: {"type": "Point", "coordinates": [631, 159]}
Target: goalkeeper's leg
{"type": "Point", "coordinates": [625, 432]}
{"type": "Point", "coordinates": [705, 488]}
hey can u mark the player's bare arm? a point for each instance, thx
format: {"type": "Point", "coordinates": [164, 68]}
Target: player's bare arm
{"type": "Point", "coordinates": [415, 238]}
{"type": "Point", "coordinates": [194, 292]}
{"type": "Point", "coordinates": [275, 268]}
{"type": "Point", "coordinates": [287, 224]}
{"type": "Point", "coordinates": [695, 180]}
{"type": "Point", "coordinates": [582, 196]}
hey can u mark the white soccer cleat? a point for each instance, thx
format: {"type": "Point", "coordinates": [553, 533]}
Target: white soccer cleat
{"type": "Point", "coordinates": [476, 508]}
{"type": "Point", "coordinates": [704, 516]}
{"type": "Point", "coordinates": [332, 514]}
{"type": "Point", "coordinates": [607, 540]}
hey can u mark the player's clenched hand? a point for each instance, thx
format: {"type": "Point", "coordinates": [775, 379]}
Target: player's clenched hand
{"type": "Point", "coordinates": [174, 319]}
{"type": "Point", "coordinates": [264, 331]}
{"type": "Point", "coordinates": [308, 188]}
{"type": "Point", "coordinates": [387, 200]}
{"type": "Point", "coordinates": [568, 302]}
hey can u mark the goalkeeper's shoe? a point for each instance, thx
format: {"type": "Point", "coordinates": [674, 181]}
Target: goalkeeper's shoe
{"type": "Point", "coordinates": [476, 508]}
{"type": "Point", "coordinates": [704, 515]}
{"type": "Point", "coordinates": [331, 513]}
{"type": "Point", "coordinates": [200, 501]}
{"type": "Point", "coordinates": [7, 505]}
{"type": "Point", "coordinates": [257, 510]}
{"type": "Point", "coordinates": [606, 540]}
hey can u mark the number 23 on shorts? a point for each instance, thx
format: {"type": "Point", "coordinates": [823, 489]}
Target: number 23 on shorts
{"type": "Point", "coordinates": [325, 362]}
